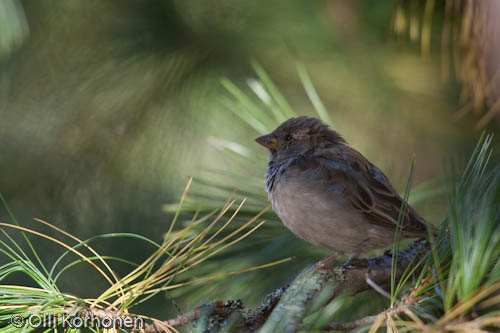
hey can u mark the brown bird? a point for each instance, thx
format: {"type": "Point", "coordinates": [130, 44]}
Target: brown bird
{"type": "Point", "coordinates": [329, 194]}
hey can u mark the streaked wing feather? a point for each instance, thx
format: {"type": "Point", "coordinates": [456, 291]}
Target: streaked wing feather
{"type": "Point", "coordinates": [367, 188]}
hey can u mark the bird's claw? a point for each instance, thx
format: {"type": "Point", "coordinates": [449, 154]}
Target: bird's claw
{"type": "Point", "coordinates": [325, 261]}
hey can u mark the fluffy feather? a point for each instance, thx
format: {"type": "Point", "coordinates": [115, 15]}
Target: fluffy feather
{"type": "Point", "coordinates": [329, 194]}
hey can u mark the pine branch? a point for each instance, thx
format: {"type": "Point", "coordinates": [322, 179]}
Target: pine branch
{"type": "Point", "coordinates": [284, 309]}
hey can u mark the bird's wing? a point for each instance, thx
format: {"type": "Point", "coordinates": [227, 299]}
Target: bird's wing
{"type": "Point", "coordinates": [365, 187]}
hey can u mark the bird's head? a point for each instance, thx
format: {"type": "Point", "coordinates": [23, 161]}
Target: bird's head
{"type": "Point", "coordinates": [299, 135]}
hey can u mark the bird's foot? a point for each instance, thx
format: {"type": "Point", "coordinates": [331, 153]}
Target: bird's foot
{"type": "Point", "coordinates": [325, 261]}
{"type": "Point", "coordinates": [349, 261]}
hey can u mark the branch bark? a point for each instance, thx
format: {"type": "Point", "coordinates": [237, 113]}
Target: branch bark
{"type": "Point", "coordinates": [354, 279]}
{"type": "Point", "coordinates": [284, 309]}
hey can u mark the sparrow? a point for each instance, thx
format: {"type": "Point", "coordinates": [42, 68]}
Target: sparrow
{"type": "Point", "coordinates": [329, 194]}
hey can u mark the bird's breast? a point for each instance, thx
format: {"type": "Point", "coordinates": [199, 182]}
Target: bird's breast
{"type": "Point", "coordinates": [312, 215]}
{"type": "Point", "coordinates": [318, 213]}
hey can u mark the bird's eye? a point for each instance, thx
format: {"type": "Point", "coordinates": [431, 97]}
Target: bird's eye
{"type": "Point", "coordinates": [288, 137]}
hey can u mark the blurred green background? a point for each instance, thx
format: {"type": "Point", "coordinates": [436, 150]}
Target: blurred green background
{"type": "Point", "coordinates": [107, 107]}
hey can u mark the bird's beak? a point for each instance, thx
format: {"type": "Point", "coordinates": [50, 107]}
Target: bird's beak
{"type": "Point", "coordinates": [268, 141]}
